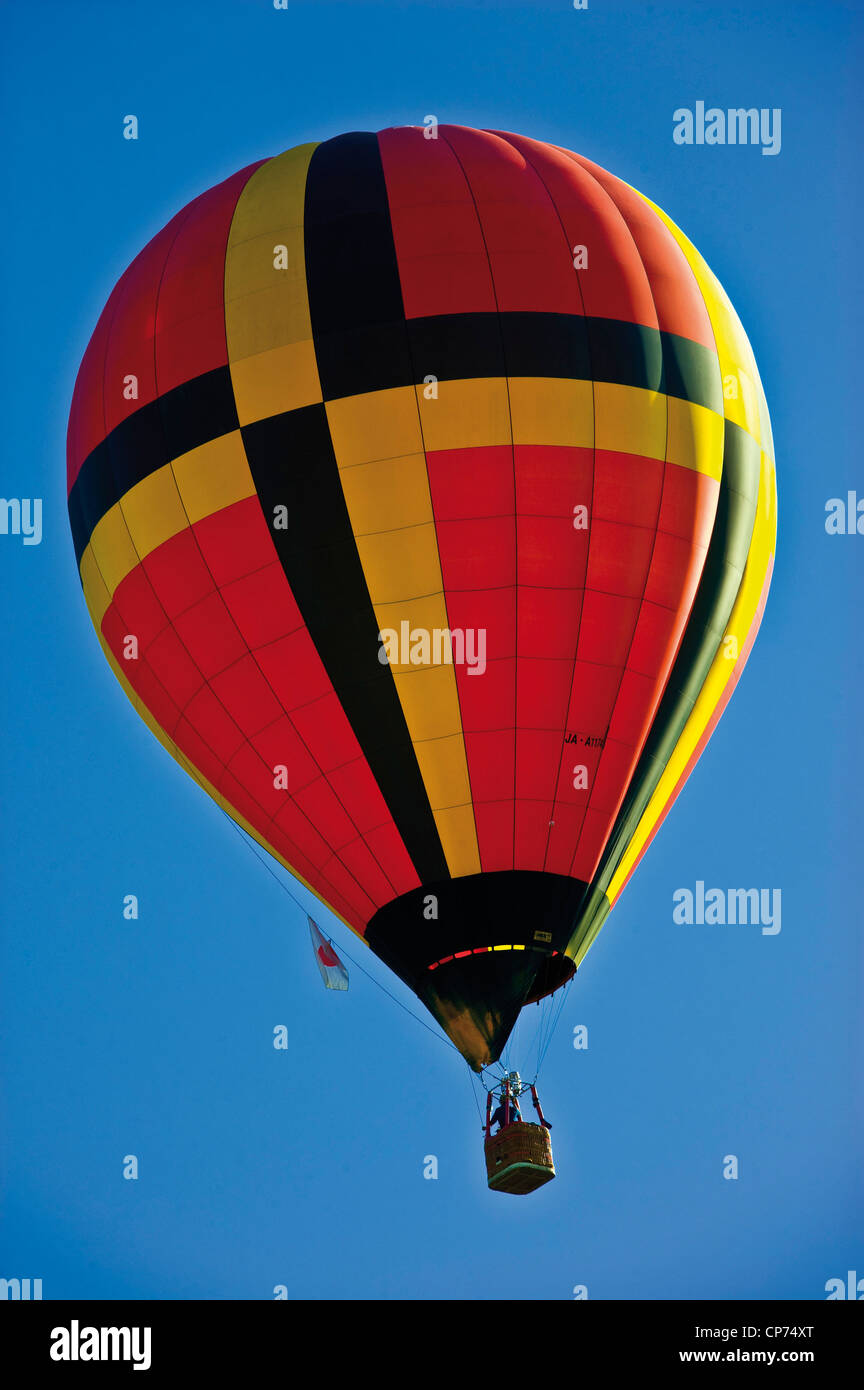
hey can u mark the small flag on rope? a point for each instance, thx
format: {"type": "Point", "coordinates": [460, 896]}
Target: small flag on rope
{"type": "Point", "coordinates": [333, 972]}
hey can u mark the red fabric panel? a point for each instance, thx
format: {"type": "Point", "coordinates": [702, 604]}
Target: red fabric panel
{"type": "Point", "coordinates": [680, 306]}
{"type": "Point", "coordinates": [220, 675]}
{"type": "Point", "coordinates": [615, 284]}
{"type": "Point", "coordinates": [361, 863]}
{"type": "Point", "coordinates": [233, 540]}
{"type": "Point", "coordinates": [627, 488]}
{"type": "Point", "coordinates": [473, 502]}
{"type": "Point", "coordinates": [131, 344]}
{"type": "Point", "coordinates": [538, 753]}
{"type": "Point", "coordinates": [254, 775]}
{"type": "Point", "coordinates": [177, 573]}
{"type": "Point", "coordinates": [324, 725]}
{"type": "Point", "coordinates": [477, 554]}
{"type": "Point", "coordinates": [262, 605]}
{"type": "Point", "coordinates": [619, 558]}
{"type": "Point", "coordinates": [124, 340]}
{"type": "Point", "coordinates": [295, 670]}
{"type": "Point", "coordinates": [595, 831]}
{"type": "Point", "coordinates": [246, 696]}
{"type": "Point", "coordinates": [532, 265]}
{"type": "Point", "coordinates": [86, 426]}
{"type": "Point", "coordinates": [386, 844]}
{"type": "Point", "coordinates": [139, 673]}
{"type": "Point", "coordinates": [494, 822]}
{"type": "Point", "coordinates": [321, 805]}
{"type": "Point", "coordinates": [210, 635]}
{"type": "Point", "coordinates": [471, 482]}
{"type": "Point", "coordinates": [170, 661]}
{"type": "Point", "coordinates": [358, 792]}
{"type": "Point", "coordinates": [532, 829]}
{"type": "Point", "coordinates": [443, 265]}
{"type": "Point", "coordinates": [280, 745]}
{"type": "Point", "coordinates": [190, 316]}
{"type": "Point", "coordinates": [568, 819]}
{"type": "Point", "coordinates": [135, 595]}
{"type": "Point", "coordinates": [640, 587]}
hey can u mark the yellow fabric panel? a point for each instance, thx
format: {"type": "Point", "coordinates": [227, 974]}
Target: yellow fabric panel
{"type": "Point", "coordinates": [720, 672]}
{"type": "Point", "coordinates": [459, 838]}
{"type": "Point", "coordinates": [111, 550]}
{"type": "Point", "coordinates": [382, 468]}
{"type": "Point", "coordinates": [765, 421]}
{"type": "Point", "coordinates": [546, 410]}
{"type": "Point", "coordinates": [180, 757]}
{"type": "Point", "coordinates": [153, 510]}
{"type": "Point", "coordinates": [400, 563]}
{"type": "Point", "coordinates": [283, 378]}
{"type": "Point", "coordinates": [213, 476]}
{"type": "Point", "coordinates": [549, 411]}
{"type": "Point", "coordinates": [629, 420]}
{"type": "Point", "coordinates": [389, 493]}
{"type": "Point", "coordinates": [149, 514]}
{"type": "Point", "coordinates": [96, 593]}
{"type": "Point", "coordinates": [444, 771]}
{"type": "Point", "coordinates": [695, 437]}
{"type": "Point", "coordinates": [428, 612]}
{"type": "Point", "coordinates": [733, 347]}
{"type": "Point", "coordinates": [267, 308]}
{"type": "Point", "coordinates": [466, 415]}
{"type": "Point", "coordinates": [430, 700]}
{"type": "Point", "coordinates": [376, 425]}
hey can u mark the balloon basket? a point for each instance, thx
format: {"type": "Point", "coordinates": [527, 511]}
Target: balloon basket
{"type": "Point", "coordinates": [519, 1158]}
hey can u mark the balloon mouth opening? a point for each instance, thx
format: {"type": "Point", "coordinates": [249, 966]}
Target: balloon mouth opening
{"type": "Point", "coordinates": [553, 973]}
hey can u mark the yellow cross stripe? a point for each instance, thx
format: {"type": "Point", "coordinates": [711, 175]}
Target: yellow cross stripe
{"type": "Point", "coordinates": [379, 450]}
{"type": "Point", "coordinates": [376, 436]}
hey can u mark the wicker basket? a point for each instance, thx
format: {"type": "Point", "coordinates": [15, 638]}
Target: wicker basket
{"type": "Point", "coordinates": [519, 1158]}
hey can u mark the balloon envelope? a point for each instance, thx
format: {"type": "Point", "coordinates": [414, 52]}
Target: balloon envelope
{"type": "Point", "coordinates": [423, 497]}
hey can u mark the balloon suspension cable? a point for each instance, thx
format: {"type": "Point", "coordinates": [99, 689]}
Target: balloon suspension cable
{"type": "Point", "coordinates": [551, 1013]}
{"type": "Point", "coordinates": [285, 889]}
{"type": "Point", "coordinates": [471, 1076]}
{"type": "Point", "coordinates": [497, 1081]}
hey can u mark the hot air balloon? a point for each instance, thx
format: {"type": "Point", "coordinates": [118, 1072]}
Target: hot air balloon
{"type": "Point", "coordinates": [422, 491]}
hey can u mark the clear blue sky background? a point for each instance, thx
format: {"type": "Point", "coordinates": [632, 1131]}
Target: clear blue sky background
{"type": "Point", "coordinates": [154, 1037]}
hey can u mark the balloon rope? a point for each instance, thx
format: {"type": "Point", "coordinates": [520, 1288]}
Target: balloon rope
{"type": "Point", "coordinates": [304, 910]}
{"type": "Point", "coordinates": [554, 1024]}
{"type": "Point", "coordinates": [474, 1094]}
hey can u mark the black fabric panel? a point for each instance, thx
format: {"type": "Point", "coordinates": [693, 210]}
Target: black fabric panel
{"type": "Point", "coordinates": [691, 372]}
{"type": "Point", "coordinates": [352, 278]}
{"type": "Point", "coordinates": [293, 465]}
{"type": "Point", "coordinates": [455, 347]}
{"type": "Point", "coordinates": [626, 353]}
{"type": "Point", "coordinates": [208, 400]}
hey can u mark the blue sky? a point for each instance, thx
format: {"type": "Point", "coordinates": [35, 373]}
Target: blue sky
{"type": "Point", "coordinates": [305, 1168]}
